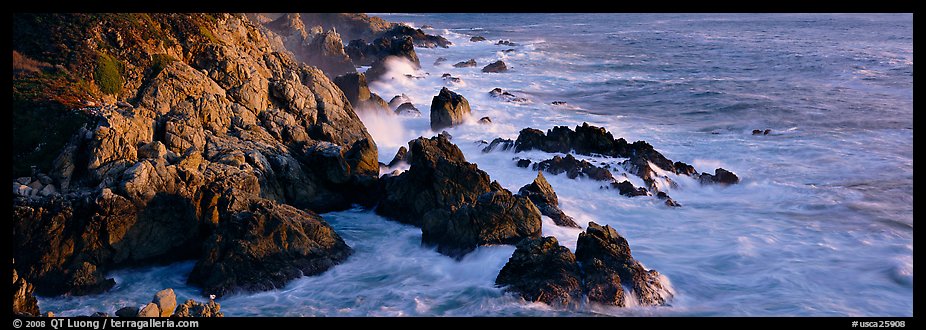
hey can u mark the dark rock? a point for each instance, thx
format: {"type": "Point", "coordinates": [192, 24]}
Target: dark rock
{"type": "Point", "coordinates": [127, 311]}
{"type": "Point", "coordinates": [439, 61]}
{"type": "Point", "coordinates": [24, 302]}
{"type": "Point", "coordinates": [99, 314]}
{"type": "Point", "coordinates": [499, 144]}
{"type": "Point", "coordinates": [477, 39]}
{"type": "Point", "coordinates": [399, 100]}
{"type": "Point", "coordinates": [446, 135]}
{"type": "Point", "coordinates": [495, 67]}
{"type": "Point", "coordinates": [362, 53]}
{"type": "Point", "coordinates": [245, 252]}
{"type": "Point", "coordinates": [506, 43]}
{"type": "Point", "coordinates": [558, 103]}
{"type": "Point", "coordinates": [497, 217]}
{"type": "Point", "coordinates": [766, 131]}
{"type": "Point", "coordinates": [684, 169]}
{"type": "Point", "coordinates": [327, 53]}
{"type": "Point", "coordinates": [720, 176]}
{"type": "Point", "coordinates": [448, 109]}
{"type": "Point", "coordinates": [439, 177]}
{"type": "Point", "coordinates": [540, 270]}
{"type": "Point", "coordinates": [542, 195]}
{"type": "Point", "coordinates": [509, 50]}
{"type": "Point", "coordinates": [668, 200]}
{"type": "Point", "coordinates": [400, 156]}
{"type": "Point", "coordinates": [499, 93]}
{"type": "Point", "coordinates": [756, 132]}
{"type": "Point", "coordinates": [454, 202]}
{"type": "Point", "coordinates": [420, 38]}
{"type": "Point", "coordinates": [606, 257]}
{"type": "Point", "coordinates": [166, 301]}
{"type": "Point", "coordinates": [408, 109]}
{"type": "Point", "coordinates": [523, 163]}
{"type": "Point", "coordinates": [446, 75]}
{"type": "Point", "coordinates": [627, 189]}
{"type": "Point", "coordinates": [192, 308]}
{"type": "Point", "coordinates": [466, 64]}
{"type": "Point", "coordinates": [427, 26]}
{"type": "Point", "coordinates": [573, 168]}
{"type": "Point", "coordinates": [485, 120]}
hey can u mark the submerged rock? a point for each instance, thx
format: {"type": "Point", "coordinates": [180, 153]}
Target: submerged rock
{"type": "Point", "coordinates": [541, 270]}
{"type": "Point", "coordinates": [398, 100]}
{"type": "Point", "coordinates": [485, 120]}
{"type": "Point", "coordinates": [720, 176]}
{"type": "Point", "coordinates": [466, 64]}
{"type": "Point", "coordinates": [448, 109]}
{"type": "Point", "coordinates": [542, 195]}
{"type": "Point", "coordinates": [477, 39]}
{"type": "Point", "coordinates": [499, 144]}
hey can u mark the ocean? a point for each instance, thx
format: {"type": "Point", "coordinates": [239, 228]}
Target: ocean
{"type": "Point", "coordinates": [820, 225]}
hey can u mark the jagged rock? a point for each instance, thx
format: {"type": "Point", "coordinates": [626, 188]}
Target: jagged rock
{"type": "Point", "coordinates": [627, 189]}
{"type": "Point", "coordinates": [485, 120]}
{"type": "Point", "coordinates": [448, 109]}
{"type": "Point", "coordinates": [152, 150]}
{"type": "Point", "coordinates": [439, 61]}
{"type": "Point", "coordinates": [351, 25]}
{"type": "Point", "coordinates": [497, 217]}
{"type": "Point", "coordinates": [495, 67]}
{"type": "Point", "coordinates": [720, 176]}
{"type": "Point", "coordinates": [668, 200]}
{"type": "Point", "coordinates": [558, 103]}
{"type": "Point", "coordinates": [407, 109]}
{"type": "Point", "coordinates": [684, 169]}
{"type": "Point", "coordinates": [398, 100]}
{"type": "Point", "coordinates": [150, 310]}
{"type": "Point", "coordinates": [466, 64]}
{"type": "Point", "coordinates": [506, 43]}
{"type": "Point", "coordinates": [400, 156]}
{"type": "Point", "coordinates": [523, 163]}
{"type": "Point", "coordinates": [540, 270]}
{"type": "Point", "coordinates": [327, 53]}
{"type": "Point", "coordinates": [438, 177]}
{"type": "Point", "coordinates": [166, 301]}
{"type": "Point", "coordinates": [355, 88]}
{"type": "Point", "coordinates": [507, 96]}
{"type": "Point", "coordinates": [244, 252]}
{"type": "Point", "coordinates": [477, 39]}
{"type": "Point", "coordinates": [573, 168]}
{"type": "Point", "coordinates": [24, 302]}
{"type": "Point", "coordinates": [445, 135]}
{"type": "Point", "coordinates": [192, 308]}
{"type": "Point", "coordinates": [362, 53]}
{"type": "Point", "coordinates": [420, 38]}
{"type": "Point", "coordinates": [499, 144]}
{"type": "Point", "coordinates": [542, 195]}
{"type": "Point", "coordinates": [127, 311]}
{"type": "Point", "coordinates": [610, 259]}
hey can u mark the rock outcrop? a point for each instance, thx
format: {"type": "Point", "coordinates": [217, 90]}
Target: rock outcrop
{"type": "Point", "coordinates": [606, 258]}
{"type": "Point", "coordinates": [507, 96]}
{"type": "Point", "coordinates": [407, 109]}
{"type": "Point", "coordinates": [355, 88]}
{"type": "Point", "coordinates": [542, 195]}
{"type": "Point", "coordinates": [465, 64]}
{"type": "Point", "coordinates": [495, 67]}
{"type": "Point", "coordinates": [192, 308]}
{"type": "Point", "coordinates": [573, 168]}
{"type": "Point", "coordinates": [363, 53]}
{"type": "Point", "coordinates": [455, 203]}
{"type": "Point", "coordinates": [541, 270]}
{"type": "Point", "coordinates": [327, 53]}
{"type": "Point", "coordinates": [420, 38]}
{"type": "Point", "coordinates": [234, 132]}
{"type": "Point", "coordinates": [24, 302]}
{"type": "Point", "coordinates": [448, 109]}
{"type": "Point", "coordinates": [720, 176]}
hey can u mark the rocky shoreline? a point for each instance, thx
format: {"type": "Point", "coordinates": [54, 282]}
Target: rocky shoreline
{"type": "Point", "coordinates": [229, 133]}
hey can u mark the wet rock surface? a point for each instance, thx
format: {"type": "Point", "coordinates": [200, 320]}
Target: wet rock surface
{"type": "Point", "coordinates": [495, 67]}
{"type": "Point", "coordinates": [448, 109]}
{"type": "Point", "coordinates": [542, 195]}
{"type": "Point", "coordinates": [541, 270]}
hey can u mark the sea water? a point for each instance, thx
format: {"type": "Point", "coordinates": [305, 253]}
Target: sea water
{"type": "Point", "coordinates": [820, 225]}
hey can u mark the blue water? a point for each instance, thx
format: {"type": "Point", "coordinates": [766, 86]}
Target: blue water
{"type": "Point", "coordinates": [821, 225]}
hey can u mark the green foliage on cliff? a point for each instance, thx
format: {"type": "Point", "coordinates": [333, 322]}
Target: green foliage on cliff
{"type": "Point", "coordinates": [159, 62]}
{"type": "Point", "coordinates": [108, 74]}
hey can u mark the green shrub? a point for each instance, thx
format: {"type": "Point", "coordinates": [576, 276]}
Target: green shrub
{"type": "Point", "coordinates": [159, 62]}
{"type": "Point", "coordinates": [108, 74]}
